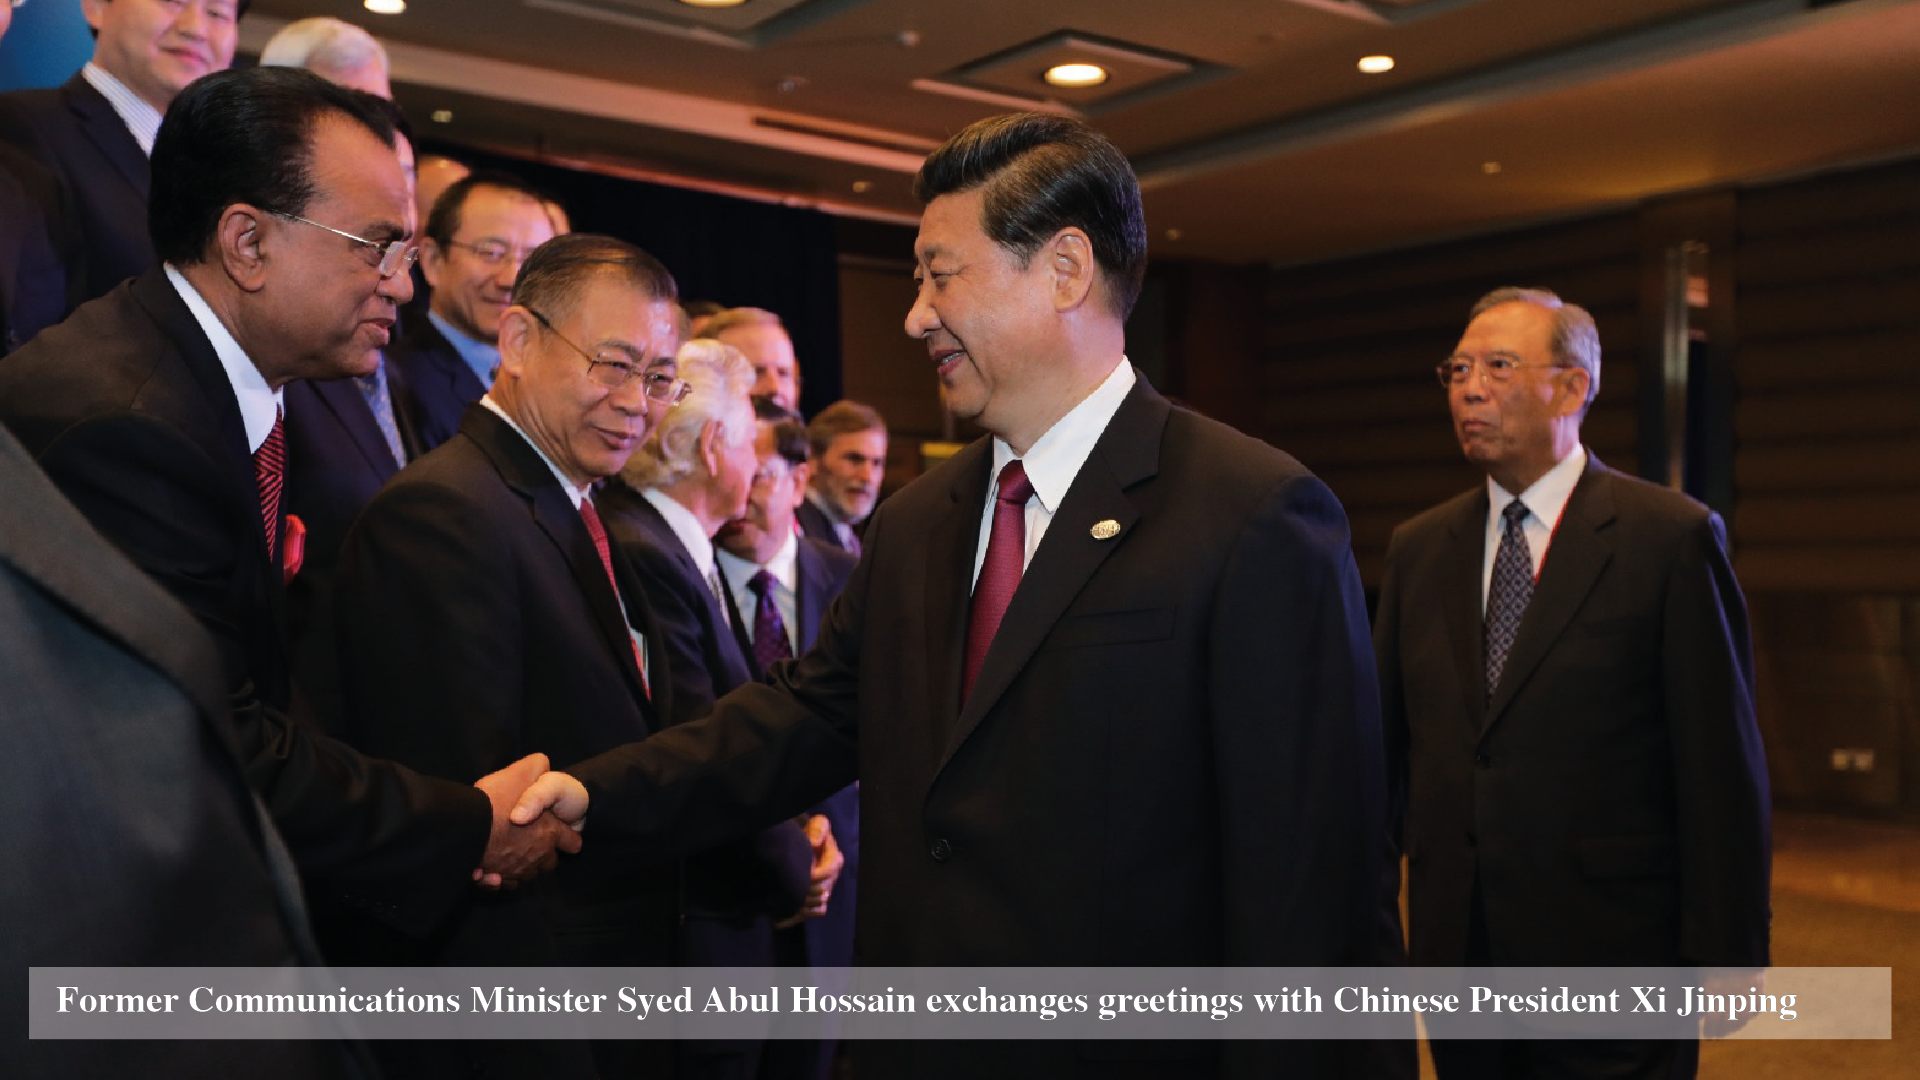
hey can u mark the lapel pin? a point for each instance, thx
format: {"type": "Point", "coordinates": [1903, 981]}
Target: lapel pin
{"type": "Point", "coordinates": [1105, 530]}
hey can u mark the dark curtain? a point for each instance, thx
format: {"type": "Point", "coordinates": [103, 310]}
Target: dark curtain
{"type": "Point", "coordinates": [733, 251]}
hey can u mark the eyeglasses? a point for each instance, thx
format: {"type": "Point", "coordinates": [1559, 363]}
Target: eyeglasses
{"type": "Point", "coordinates": [611, 368]}
{"type": "Point", "coordinates": [1455, 369]}
{"type": "Point", "coordinates": [395, 256]}
{"type": "Point", "coordinates": [493, 252]}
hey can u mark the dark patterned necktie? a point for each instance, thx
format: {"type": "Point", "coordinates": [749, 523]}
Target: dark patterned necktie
{"type": "Point", "coordinates": [1000, 571]}
{"type": "Point", "coordinates": [770, 642]}
{"type": "Point", "coordinates": [598, 531]}
{"type": "Point", "coordinates": [270, 473]}
{"type": "Point", "coordinates": [1507, 597]}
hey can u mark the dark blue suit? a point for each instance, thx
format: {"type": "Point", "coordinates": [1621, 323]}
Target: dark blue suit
{"type": "Point", "coordinates": [440, 383]}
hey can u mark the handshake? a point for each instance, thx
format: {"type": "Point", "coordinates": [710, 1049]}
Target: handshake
{"type": "Point", "coordinates": [538, 814]}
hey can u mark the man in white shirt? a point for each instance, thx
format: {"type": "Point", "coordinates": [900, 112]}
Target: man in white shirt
{"type": "Point", "coordinates": [95, 132]}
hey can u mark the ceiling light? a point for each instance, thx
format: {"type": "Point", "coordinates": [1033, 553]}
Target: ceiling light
{"type": "Point", "coordinates": [443, 116]}
{"type": "Point", "coordinates": [713, 3]}
{"type": "Point", "coordinates": [861, 187]}
{"type": "Point", "coordinates": [1076, 74]}
{"type": "Point", "coordinates": [1374, 65]}
{"type": "Point", "coordinates": [1489, 167]}
{"type": "Point", "coordinates": [386, 7]}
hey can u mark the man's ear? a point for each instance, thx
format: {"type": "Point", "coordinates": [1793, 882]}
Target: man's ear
{"type": "Point", "coordinates": [516, 340]}
{"type": "Point", "coordinates": [240, 240]}
{"type": "Point", "coordinates": [708, 444]}
{"type": "Point", "coordinates": [802, 475]}
{"type": "Point", "coordinates": [1070, 267]}
{"type": "Point", "coordinates": [430, 260]}
{"type": "Point", "coordinates": [1578, 381]}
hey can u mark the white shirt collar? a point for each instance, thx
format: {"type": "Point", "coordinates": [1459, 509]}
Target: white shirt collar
{"type": "Point", "coordinates": [1055, 458]}
{"type": "Point", "coordinates": [784, 567]}
{"type": "Point", "coordinates": [142, 119]}
{"type": "Point", "coordinates": [686, 528]}
{"type": "Point", "coordinates": [259, 403]}
{"type": "Point", "coordinates": [577, 494]}
{"type": "Point", "coordinates": [1547, 498]}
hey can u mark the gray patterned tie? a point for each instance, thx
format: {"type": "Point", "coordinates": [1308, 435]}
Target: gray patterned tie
{"type": "Point", "coordinates": [1511, 589]}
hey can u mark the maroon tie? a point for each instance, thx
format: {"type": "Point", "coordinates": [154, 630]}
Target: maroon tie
{"type": "Point", "coordinates": [599, 533]}
{"type": "Point", "coordinates": [270, 472]}
{"type": "Point", "coordinates": [1000, 571]}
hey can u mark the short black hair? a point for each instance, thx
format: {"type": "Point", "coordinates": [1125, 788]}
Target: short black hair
{"type": "Point", "coordinates": [444, 219]}
{"type": "Point", "coordinates": [242, 135]}
{"type": "Point", "coordinates": [1042, 173]}
{"type": "Point", "coordinates": [557, 272]}
{"type": "Point", "coordinates": [789, 433]}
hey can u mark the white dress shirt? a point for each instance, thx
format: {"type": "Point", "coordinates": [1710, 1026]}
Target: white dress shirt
{"type": "Point", "coordinates": [142, 119]}
{"type": "Point", "coordinates": [1546, 500]}
{"type": "Point", "coordinates": [259, 403]}
{"type": "Point", "coordinates": [784, 567]}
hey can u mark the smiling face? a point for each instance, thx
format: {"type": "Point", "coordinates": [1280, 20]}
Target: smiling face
{"type": "Point", "coordinates": [473, 278]}
{"type": "Point", "coordinates": [987, 320]}
{"type": "Point", "coordinates": [585, 429]}
{"type": "Point", "coordinates": [1517, 429]}
{"type": "Point", "coordinates": [157, 47]}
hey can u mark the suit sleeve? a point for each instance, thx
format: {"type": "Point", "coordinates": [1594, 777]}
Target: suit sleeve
{"type": "Point", "coordinates": [396, 843]}
{"type": "Point", "coordinates": [1295, 717]}
{"type": "Point", "coordinates": [1393, 705]}
{"type": "Point", "coordinates": [1720, 771]}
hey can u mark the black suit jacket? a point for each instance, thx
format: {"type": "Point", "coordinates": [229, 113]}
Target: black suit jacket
{"type": "Point", "coordinates": [477, 626]}
{"type": "Point", "coordinates": [816, 525]}
{"type": "Point", "coordinates": [102, 173]}
{"type": "Point", "coordinates": [140, 842]}
{"type": "Point", "coordinates": [336, 460]}
{"type": "Point", "coordinates": [439, 383]}
{"type": "Point", "coordinates": [34, 285]}
{"type": "Point", "coordinates": [747, 881]}
{"type": "Point", "coordinates": [1611, 800]}
{"type": "Point", "coordinates": [145, 437]}
{"type": "Point", "coordinates": [1171, 755]}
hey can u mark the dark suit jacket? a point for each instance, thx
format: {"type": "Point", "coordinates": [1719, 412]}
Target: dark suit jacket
{"type": "Point", "coordinates": [1612, 798]}
{"type": "Point", "coordinates": [336, 460]}
{"type": "Point", "coordinates": [145, 437]}
{"type": "Point", "coordinates": [477, 626]}
{"type": "Point", "coordinates": [34, 286]}
{"type": "Point", "coordinates": [139, 841]}
{"type": "Point", "coordinates": [820, 572]}
{"type": "Point", "coordinates": [439, 383]}
{"type": "Point", "coordinates": [103, 175]}
{"type": "Point", "coordinates": [1171, 755]}
{"type": "Point", "coordinates": [816, 525]}
{"type": "Point", "coordinates": [746, 881]}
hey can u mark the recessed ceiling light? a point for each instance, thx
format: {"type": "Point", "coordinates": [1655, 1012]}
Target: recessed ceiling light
{"type": "Point", "coordinates": [386, 7]}
{"type": "Point", "coordinates": [1489, 167]}
{"type": "Point", "coordinates": [861, 187]}
{"type": "Point", "coordinates": [1076, 75]}
{"type": "Point", "coordinates": [443, 116]}
{"type": "Point", "coordinates": [1173, 234]}
{"type": "Point", "coordinates": [713, 3]}
{"type": "Point", "coordinates": [1374, 65]}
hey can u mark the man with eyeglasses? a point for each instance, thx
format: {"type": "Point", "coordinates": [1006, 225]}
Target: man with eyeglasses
{"type": "Point", "coordinates": [480, 231]}
{"type": "Point", "coordinates": [483, 610]}
{"type": "Point", "coordinates": [94, 133]}
{"type": "Point", "coordinates": [1568, 695]}
{"type": "Point", "coordinates": [156, 409]}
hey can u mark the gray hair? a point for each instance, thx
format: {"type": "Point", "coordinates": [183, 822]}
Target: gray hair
{"type": "Point", "coordinates": [1575, 339]}
{"type": "Point", "coordinates": [323, 46]}
{"type": "Point", "coordinates": [721, 379]}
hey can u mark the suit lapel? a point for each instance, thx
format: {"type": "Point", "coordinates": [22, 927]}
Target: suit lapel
{"type": "Point", "coordinates": [952, 539]}
{"type": "Point", "coordinates": [1578, 553]}
{"type": "Point", "coordinates": [1465, 559]}
{"type": "Point", "coordinates": [742, 633]}
{"type": "Point", "coordinates": [1126, 453]}
{"type": "Point", "coordinates": [106, 130]}
{"type": "Point", "coordinates": [343, 398]}
{"type": "Point", "coordinates": [812, 593]}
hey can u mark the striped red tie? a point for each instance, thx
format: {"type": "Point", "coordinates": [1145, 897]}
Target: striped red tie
{"type": "Point", "coordinates": [270, 471]}
{"type": "Point", "coordinates": [598, 530]}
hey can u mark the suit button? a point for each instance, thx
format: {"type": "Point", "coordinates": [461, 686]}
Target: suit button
{"type": "Point", "coordinates": [940, 850]}
{"type": "Point", "coordinates": [1482, 760]}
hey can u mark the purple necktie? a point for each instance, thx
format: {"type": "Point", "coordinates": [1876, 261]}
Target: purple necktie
{"type": "Point", "coordinates": [1000, 572]}
{"type": "Point", "coordinates": [770, 642]}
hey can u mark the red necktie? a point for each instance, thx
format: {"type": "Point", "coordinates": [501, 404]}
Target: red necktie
{"type": "Point", "coordinates": [599, 533]}
{"type": "Point", "coordinates": [1000, 571]}
{"type": "Point", "coordinates": [270, 472]}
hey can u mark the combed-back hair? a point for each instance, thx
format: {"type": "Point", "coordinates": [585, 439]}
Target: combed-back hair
{"type": "Point", "coordinates": [1576, 340]}
{"type": "Point", "coordinates": [557, 272]}
{"type": "Point", "coordinates": [443, 221]}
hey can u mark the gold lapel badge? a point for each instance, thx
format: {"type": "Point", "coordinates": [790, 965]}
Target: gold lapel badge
{"type": "Point", "coordinates": [1105, 530]}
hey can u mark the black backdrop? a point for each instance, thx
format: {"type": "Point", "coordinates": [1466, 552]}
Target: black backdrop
{"type": "Point", "coordinates": [734, 251]}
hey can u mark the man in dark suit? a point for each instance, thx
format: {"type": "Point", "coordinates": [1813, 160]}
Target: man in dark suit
{"type": "Point", "coordinates": [94, 133]}
{"type": "Point", "coordinates": [778, 586]}
{"type": "Point", "coordinates": [143, 845]}
{"type": "Point", "coordinates": [33, 279]}
{"type": "Point", "coordinates": [848, 461]}
{"type": "Point", "coordinates": [480, 618]}
{"type": "Point", "coordinates": [165, 438]}
{"type": "Point", "coordinates": [690, 477]}
{"type": "Point", "coordinates": [480, 231]}
{"type": "Point", "coordinates": [1148, 736]}
{"type": "Point", "coordinates": [1568, 691]}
